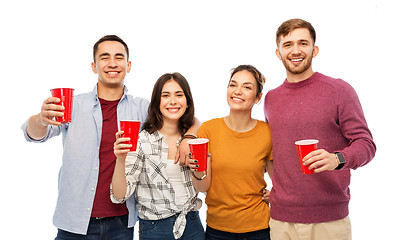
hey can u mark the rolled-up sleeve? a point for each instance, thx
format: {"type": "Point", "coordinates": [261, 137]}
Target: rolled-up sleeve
{"type": "Point", "coordinates": [133, 168]}
{"type": "Point", "coordinates": [52, 131]}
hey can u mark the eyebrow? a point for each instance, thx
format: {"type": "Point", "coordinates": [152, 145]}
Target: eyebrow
{"type": "Point", "coordinates": [243, 83]}
{"type": "Point", "coordinates": [300, 40]}
{"type": "Point", "coordinates": [170, 92]}
{"type": "Point", "coordinates": [107, 54]}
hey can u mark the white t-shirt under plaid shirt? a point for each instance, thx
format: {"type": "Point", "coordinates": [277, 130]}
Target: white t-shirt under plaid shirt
{"type": "Point", "coordinates": [146, 174]}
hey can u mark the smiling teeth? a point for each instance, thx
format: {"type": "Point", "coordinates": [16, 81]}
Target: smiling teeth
{"type": "Point", "coordinates": [297, 60]}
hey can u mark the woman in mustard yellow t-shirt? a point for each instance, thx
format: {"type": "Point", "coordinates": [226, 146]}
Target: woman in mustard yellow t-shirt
{"type": "Point", "coordinates": [241, 151]}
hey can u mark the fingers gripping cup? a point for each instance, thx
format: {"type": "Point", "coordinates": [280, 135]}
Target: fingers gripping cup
{"type": "Point", "coordinates": [199, 151]}
{"type": "Point", "coordinates": [66, 96]}
{"type": "Point", "coordinates": [131, 130]}
{"type": "Point", "coordinates": [304, 147]}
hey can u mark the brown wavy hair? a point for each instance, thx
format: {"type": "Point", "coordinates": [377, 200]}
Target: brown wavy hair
{"type": "Point", "coordinates": [255, 72]}
{"type": "Point", "coordinates": [154, 121]}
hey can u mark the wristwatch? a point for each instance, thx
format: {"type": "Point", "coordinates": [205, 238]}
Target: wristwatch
{"type": "Point", "coordinates": [341, 160]}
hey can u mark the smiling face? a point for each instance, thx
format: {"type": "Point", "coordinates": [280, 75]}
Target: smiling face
{"type": "Point", "coordinates": [111, 64]}
{"type": "Point", "coordinates": [242, 91]}
{"type": "Point", "coordinates": [296, 50]}
{"type": "Point", "coordinates": [173, 102]}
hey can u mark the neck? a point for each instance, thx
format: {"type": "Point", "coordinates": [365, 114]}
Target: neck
{"type": "Point", "coordinates": [109, 93]}
{"type": "Point", "coordinates": [298, 77]}
{"type": "Point", "coordinates": [170, 129]}
{"type": "Point", "coordinates": [240, 121]}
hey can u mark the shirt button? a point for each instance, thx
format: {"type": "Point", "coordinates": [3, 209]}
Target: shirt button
{"type": "Point", "coordinates": [96, 168]}
{"type": "Point", "coordinates": [92, 189]}
{"type": "Point", "coordinates": [88, 209]}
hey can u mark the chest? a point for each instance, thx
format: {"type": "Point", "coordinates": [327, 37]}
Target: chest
{"type": "Point", "coordinates": [109, 124]}
{"type": "Point", "coordinates": [301, 109]}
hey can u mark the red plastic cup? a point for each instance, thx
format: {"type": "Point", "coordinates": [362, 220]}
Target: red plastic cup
{"type": "Point", "coordinates": [131, 130]}
{"type": "Point", "coordinates": [304, 147]}
{"type": "Point", "coordinates": [66, 96]}
{"type": "Point", "coordinates": [199, 151]}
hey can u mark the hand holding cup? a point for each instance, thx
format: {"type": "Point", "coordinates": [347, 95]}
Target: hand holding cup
{"type": "Point", "coordinates": [49, 110]}
{"type": "Point", "coordinates": [120, 147]}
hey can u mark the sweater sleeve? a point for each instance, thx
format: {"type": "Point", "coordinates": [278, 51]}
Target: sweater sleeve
{"type": "Point", "coordinates": [353, 126]}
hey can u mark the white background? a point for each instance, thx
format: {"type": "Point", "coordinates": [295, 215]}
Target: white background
{"type": "Point", "coordinates": [46, 44]}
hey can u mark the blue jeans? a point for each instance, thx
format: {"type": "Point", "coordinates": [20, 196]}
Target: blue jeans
{"type": "Point", "coordinates": [111, 228]}
{"type": "Point", "coordinates": [213, 234]}
{"type": "Point", "coordinates": [162, 229]}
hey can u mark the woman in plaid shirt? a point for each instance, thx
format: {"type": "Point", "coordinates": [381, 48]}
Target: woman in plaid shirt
{"type": "Point", "coordinates": [167, 201]}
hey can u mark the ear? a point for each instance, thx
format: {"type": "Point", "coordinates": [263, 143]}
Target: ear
{"type": "Point", "coordinates": [278, 54]}
{"type": "Point", "coordinates": [258, 98]}
{"type": "Point", "coordinates": [128, 66]}
{"type": "Point", "coordinates": [315, 51]}
{"type": "Point", "coordinates": [93, 67]}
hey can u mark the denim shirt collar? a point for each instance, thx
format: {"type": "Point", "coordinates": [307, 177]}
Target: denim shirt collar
{"type": "Point", "coordinates": [95, 92]}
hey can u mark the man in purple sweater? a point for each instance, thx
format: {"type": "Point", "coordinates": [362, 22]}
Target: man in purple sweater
{"type": "Point", "coordinates": [310, 105]}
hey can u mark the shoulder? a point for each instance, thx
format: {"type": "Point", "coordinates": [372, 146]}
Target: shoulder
{"type": "Point", "coordinates": [275, 92]}
{"type": "Point", "coordinates": [211, 123]}
{"type": "Point", "coordinates": [262, 126]}
{"type": "Point", "coordinates": [145, 136]}
{"type": "Point", "coordinates": [137, 100]}
{"type": "Point", "coordinates": [84, 97]}
{"type": "Point", "coordinates": [337, 85]}
{"type": "Point", "coordinates": [136, 104]}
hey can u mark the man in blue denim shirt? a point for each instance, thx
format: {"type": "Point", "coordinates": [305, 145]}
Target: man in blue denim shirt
{"type": "Point", "coordinates": [82, 209]}
{"type": "Point", "coordinates": [83, 144]}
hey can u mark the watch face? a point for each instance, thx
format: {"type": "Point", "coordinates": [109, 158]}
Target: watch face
{"type": "Point", "coordinates": [341, 158]}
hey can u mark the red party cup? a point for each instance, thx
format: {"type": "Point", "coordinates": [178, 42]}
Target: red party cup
{"type": "Point", "coordinates": [199, 151]}
{"type": "Point", "coordinates": [66, 96]}
{"type": "Point", "coordinates": [131, 130]}
{"type": "Point", "coordinates": [304, 147]}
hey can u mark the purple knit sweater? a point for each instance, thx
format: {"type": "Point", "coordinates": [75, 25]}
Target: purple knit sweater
{"type": "Point", "coordinates": [326, 109]}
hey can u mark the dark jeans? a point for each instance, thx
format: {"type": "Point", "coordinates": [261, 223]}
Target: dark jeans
{"type": "Point", "coordinates": [111, 228]}
{"type": "Point", "coordinates": [162, 229]}
{"type": "Point", "coordinates": [213, 234]}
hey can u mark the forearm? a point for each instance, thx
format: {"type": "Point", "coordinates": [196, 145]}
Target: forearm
{"type": "Point", "coordinates": [202, 185]}
{"type": "Point", "coordinates": [119, 182]}
{"type": "Point", "coordinates": [359, 153]}
{"type": "Point", "coordinates": [35, 129]}
{"type": "Point", "coordinates": [270, 168]}
{"type": "Point", "coordinates": [193, 130]}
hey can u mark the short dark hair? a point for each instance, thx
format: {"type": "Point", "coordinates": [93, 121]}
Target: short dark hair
{"type": "Point", "coordinates": [154, 121]}
{"type": "Point", "coordinates": [109, 38]}
{"type": "Point", "coordinates": [260, 79]}
{"type": "Point", "coordinates": [288, 26]}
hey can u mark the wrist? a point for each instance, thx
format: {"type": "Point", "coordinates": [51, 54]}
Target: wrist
{"type": "Point", "coordinates": [199, 175]}
{"type": "Point", "coordinates": [337, 161]}
{"type": "Point", "coordinates": [341, 160]}
{"type": "Point", "coordinates": [188, 136]}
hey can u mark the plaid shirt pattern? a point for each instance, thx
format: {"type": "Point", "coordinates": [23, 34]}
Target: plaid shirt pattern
{"type": "Point", "coordinates": [146, 175]}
